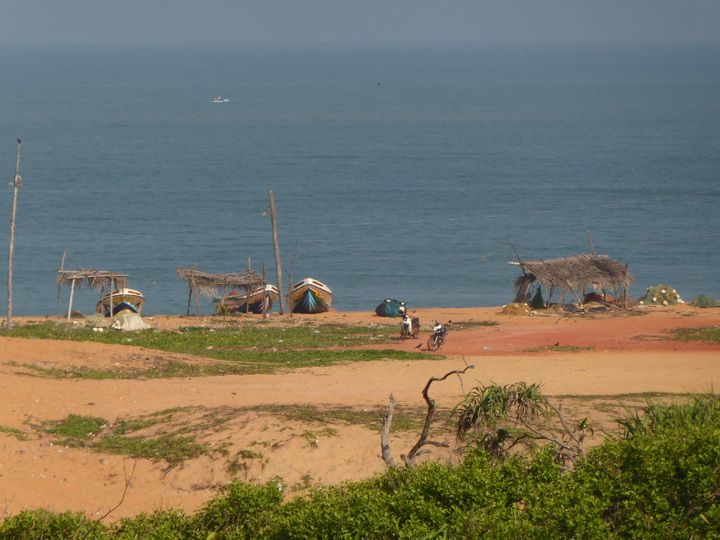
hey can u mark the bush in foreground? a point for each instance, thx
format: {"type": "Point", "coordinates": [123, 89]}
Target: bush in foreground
{"type": "Point", "coordinates": [659, 479]}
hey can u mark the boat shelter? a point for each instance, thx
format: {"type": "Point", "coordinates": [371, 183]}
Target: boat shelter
{"type": "Point", "coordinates": [578, 273]}
{"type": "Point", "coordinates": [99, 279]}
{"type": "Point", "coordinates": [205, 284]}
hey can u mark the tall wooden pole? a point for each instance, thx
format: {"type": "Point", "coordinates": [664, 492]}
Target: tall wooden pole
{"type": "Point", "coordinates": [16, 183]}
{"type": "Point", "coordinates": [265, 293]}
{"type": "Point", "coordinates": [62, 268]}
{"type": "Point", "coordinates": [592, 247]}
{"type": "Point", "coordinates": [72, 294]}
{"type": "Point", "coordinates": [278, 267]}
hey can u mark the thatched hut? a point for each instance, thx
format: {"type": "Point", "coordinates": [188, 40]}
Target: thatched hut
{"type": "Point", "coordinates": [205, 284]}
{"type": "Point", "coordinates": [578, 273]}
{"type": "Point", "coordinates": [98, 279]}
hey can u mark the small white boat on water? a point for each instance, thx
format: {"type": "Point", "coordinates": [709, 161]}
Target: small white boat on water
{"type": "Point", "coordinates": [250, 303]}
{"type": "Point", "coordinates": [310, 296]}
{"type": "Point", "coordinates": [219, 99]}
{"type": "Point", "coordinates": [122, 299]}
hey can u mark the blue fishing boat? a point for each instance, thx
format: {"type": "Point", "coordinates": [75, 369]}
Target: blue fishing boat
{"type": "Point", "coordinates": [310, 296]}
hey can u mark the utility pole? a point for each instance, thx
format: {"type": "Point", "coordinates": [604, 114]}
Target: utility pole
{"type": "Point", "coordinates": [278, 267]}
{"type": "Point", "coordinates": [16, 183]}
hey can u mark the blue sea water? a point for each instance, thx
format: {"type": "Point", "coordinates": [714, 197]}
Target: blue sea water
{"type": "Point", "coordinates": [403, 171]}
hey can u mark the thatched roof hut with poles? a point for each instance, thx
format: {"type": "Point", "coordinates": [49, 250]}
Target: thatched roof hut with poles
{"type": "Point", "coordinates": [206, 284]}
{"type": "Point", "coordinates": [98, 279]}
{"type": "Point", "coordinates": [572, 274]}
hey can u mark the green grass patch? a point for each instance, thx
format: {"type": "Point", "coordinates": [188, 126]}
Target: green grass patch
{"type": "Point", "coordinates": [167, 435]}
{"type": "Point", "coordinates": [192, 340]}
{"type": "Point", "coordinates": [232, 363]}
{"type": "Point", "coordinates": [169, 447]}
{"type": "Point", "coordinates": [559, 348]}
{"type": "Point", "coordinates": [404, 419]}
{"type": "Point", "coordinates": [462, 325]}
{"type": "Point", "coordinates": [17, 433]}
{"type": "Point", "coordinates": [78, 427]}
{"type": "Point", "coordinates": [707, 335]}
{"type": "Point", "coordinates": [175, 435]}
{"type": "Point", "coordinates": [244, 350]}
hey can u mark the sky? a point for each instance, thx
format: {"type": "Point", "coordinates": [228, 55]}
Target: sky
{"type": "Point", "coordinates": [363, 21]}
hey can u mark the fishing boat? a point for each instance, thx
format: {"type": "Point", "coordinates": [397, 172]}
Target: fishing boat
{"type": "Point", "coordinates": [310, 296]}
{"type": "Point", "coordinates": [122, 299]}
{"type": "Point", "coordinates": [236, 302]}
{"type": "Point", "coordinates": [219, 99]}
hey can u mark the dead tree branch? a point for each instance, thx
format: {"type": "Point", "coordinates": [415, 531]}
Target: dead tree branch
{"type": "Point", "coordinates": [385, 434]}
{"type": "Point", "coordinates": [128, 481]}
{"type": "Point", "coordinates": [411, 457]}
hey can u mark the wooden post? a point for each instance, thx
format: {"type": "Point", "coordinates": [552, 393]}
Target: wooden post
{"type": "Point", "coordinates": [72, 293]}
{"type": "Point", "coordinates": [291, 300]}
{"type": "Point", "coordinates": [265, 293]}
{"type": "Point", "coordinates": [62, 267]}
{"type": "Point", "coordinates": [110, 302]}
{"type": "Point", "coordinates": [278, 267]}
{"type": "Point", "coordinates": [197, 301]}
{"type": "Point", "coordinates": [592, 247]}
{"type": "Point", "coordinates": [16, 183]}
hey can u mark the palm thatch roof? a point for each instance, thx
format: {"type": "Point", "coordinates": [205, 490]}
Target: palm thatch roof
{"type": "Point", "coordinates": [93, 278]}
{"type": "Point", "coordinates": [206, 284]}
{"type": "Point", "coordinates": [575, 273]}
{"type": "Point", "coordinates": [99, 279]}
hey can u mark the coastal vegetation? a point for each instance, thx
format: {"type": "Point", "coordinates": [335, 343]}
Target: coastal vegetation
{"type": "Point", "coordinates": [175, 435]}
{"type": "Point", "coordinates": [707, 335]}
{"type": "Point", "coordinates": [657, 477]}
{"type": "Point", "coordinates": [236, 350]}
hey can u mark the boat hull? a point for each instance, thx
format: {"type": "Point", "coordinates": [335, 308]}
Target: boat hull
{"type": "Point", "coordinates": [244, 303]}
{"type": "Point", "coordinates": [122, 300]}
{"type": "Point", "coordinates": [310, 296]}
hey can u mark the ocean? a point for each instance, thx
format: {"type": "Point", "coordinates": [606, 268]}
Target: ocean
{"type": "Point", "coordinates": [398, 171]}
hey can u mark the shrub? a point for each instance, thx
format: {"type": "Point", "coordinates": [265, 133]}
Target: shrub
{"type": "Point", "coordinates": [659, 479]}
{"type": "Point", "coordinates": [241, 508]}
{"type": "Point", "coordinates": [43, 524]}
{"type": "Point", "coordinates": [704, 301]}
{"type": "Point", "coordinates": [158, 525]}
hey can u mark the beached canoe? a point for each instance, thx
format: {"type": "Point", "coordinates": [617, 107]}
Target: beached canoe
{"type": "Point", "coordinates": [310, 296]}
{"type": "Point", "coordinates": [122, 300]}
{"type": "Point", "coordinates": [250, 303]}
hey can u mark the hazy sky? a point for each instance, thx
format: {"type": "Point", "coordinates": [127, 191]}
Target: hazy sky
{"type": "Point", "coordinates": [231, 21]}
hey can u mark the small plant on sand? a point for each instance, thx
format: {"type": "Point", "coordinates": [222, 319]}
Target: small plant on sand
{"type": "Point", "coordinates": [708, 335]}
{"type": "Point", "coordinates": [519, 405]}
{"type": "Point", "coordinates": [559, 348]}
{"type": "Point", "coordinates": [461, 325]}
{"type": "Point", "coordinates": [76, 430]}
{"type": "Point", "coordinates": [18, 434]}
{"type": "Point", "coordinates": [314, 436]}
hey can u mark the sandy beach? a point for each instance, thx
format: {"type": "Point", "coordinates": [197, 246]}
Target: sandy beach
{"type": "Point", "coordinates": [611, 355]}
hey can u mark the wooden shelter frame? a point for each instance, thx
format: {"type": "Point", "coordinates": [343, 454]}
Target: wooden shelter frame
{"type": "Point", "coordinates": [208, 285]}
{"type": "Point", "coordinates": [98, 279]}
